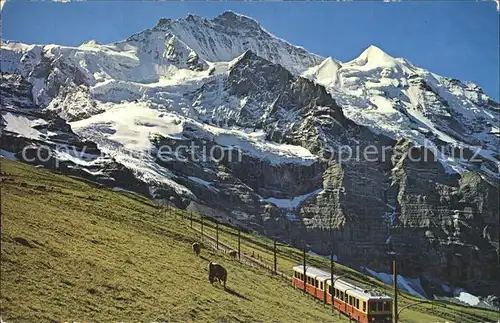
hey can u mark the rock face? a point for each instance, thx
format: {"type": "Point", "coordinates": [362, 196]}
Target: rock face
{"type": "Point", "coordinates": [370, 159]}
{"type": "Point", "coordinates": [229, 35]}
{"type": "Point", "coordinates": [43, 138]}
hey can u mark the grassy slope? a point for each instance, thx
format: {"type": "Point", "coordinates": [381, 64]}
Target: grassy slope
{"type": "Point", "coordinates": [95, 254]}
{"type": "Point", "coordinates": [101, 255]}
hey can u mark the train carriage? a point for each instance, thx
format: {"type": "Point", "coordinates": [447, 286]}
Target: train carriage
{"type": "Point", "coordinates": [359, 304]}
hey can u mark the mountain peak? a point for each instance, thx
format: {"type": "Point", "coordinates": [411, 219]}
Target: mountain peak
{"type": "Point", "coordinates": [372, 57]}
{"type": "Point", "coordinates": [231, 18]}
{"type": "Point", "coordinates": [193, 17]}
{"type": "Point", "coordinates": [372, 49]}
{"type": "Point", "coordinates": [229, 35]}
{"type": "Point", "coordinates": [330, 62]}
{"type": "Point", "coordinates": [163, 22]}
{"type": "Point", "coordinates": [247, 56]}
{"type": "Point", "coordinates": [325, 73]}
{"type": "Point", "coordinates": [375, 53]}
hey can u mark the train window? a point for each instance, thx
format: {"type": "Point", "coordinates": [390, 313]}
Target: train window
{"type": "Point", "coordinates": [357, 303]}
{"type": "Point", "coordinates": [342, 296]}
{"type": "Point", "coordinates": [380, 306]}
{"type": "Point", "coordinates": [337, 292]}
{"type": "Point", "coordinates": [330, 290]}
{"type": "Point", "coordinates": [373, 306]}
{"type": "Point", "coordinates": [386, 306]}
{"type": "Point", "coordinates": [321, 285]}
{"type": "Point", "coordinates": [350, 300]}
{"type": "Point", "coordinates": [316, 283]}
{"type": "Point", "coordinates": [364, 306]}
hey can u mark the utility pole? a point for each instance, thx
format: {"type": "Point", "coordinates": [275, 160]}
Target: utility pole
{"type": "Point", "coordinates": [304, 256]}
{"type": "Point", "coordinates": [331, 281]}
{"type": "Point", "coordinates": [395, 292]}
{"type": "Point", "coordinates": [217, 235]}
{"type": "Point", "coordinates": [201, 215]}
{"type": "Point", "coordinates": [331, 264]}
{"type": "Point", "coordinates": [191, 219]}
{"type": "Point", "coordinates": [275, 260]}
{"type": "Point", "coordinates": [239, 243]}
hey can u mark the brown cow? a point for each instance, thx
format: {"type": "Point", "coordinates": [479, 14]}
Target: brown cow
{"type": "Point", "coordinates": [196, 248]}
{"type": "Point", "coordinates": [216, 271]}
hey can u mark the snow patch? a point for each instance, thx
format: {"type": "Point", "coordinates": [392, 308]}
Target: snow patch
{"type": "Point", "coordinates": [23, 125]}
{"type": "Point", "coordinates": [410, 285]}
{"type": "Point", "coordinates": [254, 144]}
{"type": "Point", "coordinates": [468, 298]}
{"type": "Point", "coordinates": [202, 182]}
{"type": "Point", "coordinates": [7, 154]}
{"type": "Point", "coordinates": [293, 203]}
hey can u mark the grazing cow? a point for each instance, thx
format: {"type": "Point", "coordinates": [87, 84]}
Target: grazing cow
{"type": "Point", "coordinates": [216, 271]}
{"type": "Point", "coordinates": [233, 253]}
{"type": "Point", "coordinates": [196, 248]}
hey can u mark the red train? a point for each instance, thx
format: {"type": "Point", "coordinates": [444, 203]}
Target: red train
{"type": "Point", "coordinates": [361, 305]}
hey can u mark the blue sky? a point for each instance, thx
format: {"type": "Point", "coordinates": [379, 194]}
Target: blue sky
{"type": "Point", "coordinates": [458, 39]}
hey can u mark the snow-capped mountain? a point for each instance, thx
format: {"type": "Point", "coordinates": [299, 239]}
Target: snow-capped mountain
{"type": "Point", "coordinates": [394, 97]}
{"type": "Point", "coordinates": [229, 35]}
{"type": "Point", "coordinates": [279, 119]}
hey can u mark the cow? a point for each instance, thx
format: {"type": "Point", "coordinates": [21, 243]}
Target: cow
{"type": "Point", "coordinates": [233, 253]}
{"type": "Point", "coordinates": [216, 271]}
{"type": "Point", "coordinates": [196, 248]}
